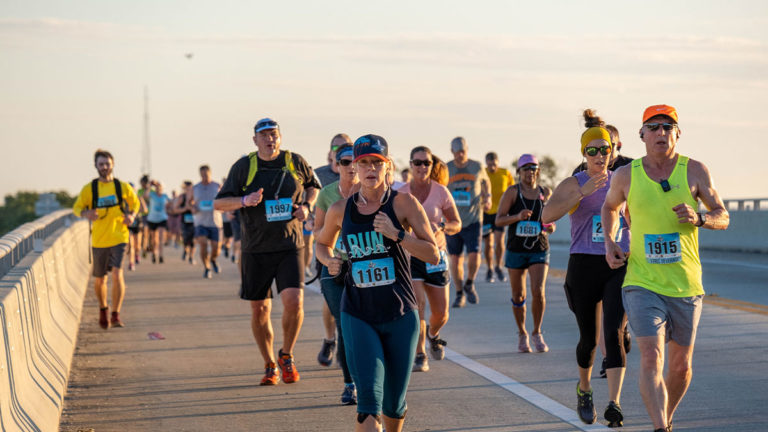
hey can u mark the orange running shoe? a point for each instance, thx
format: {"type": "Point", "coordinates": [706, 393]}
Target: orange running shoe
{"type": "Point", "coordinates": [285, 361]}
{"type": "Point", "coordinates": [270, 375]}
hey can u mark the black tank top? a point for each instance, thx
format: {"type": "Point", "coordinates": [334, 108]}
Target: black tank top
{"type": "Point", "coordinates": [526, 236]}
{"type": "Point", "coordinates": [378, 285]}
{"type": "Point", "coordinates": [184, 218]}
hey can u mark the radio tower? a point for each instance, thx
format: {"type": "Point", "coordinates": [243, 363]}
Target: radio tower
{"type": "Point", "coordinates": [146, 159]}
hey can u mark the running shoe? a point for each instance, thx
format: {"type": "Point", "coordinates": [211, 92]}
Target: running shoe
{"type": "Point", "coordinates": [522, 343]}
{"type": "Point", "coordinates": [215, 266]}
{"type": "Point", "coordinates": [421, 364]}
{"type": "Point", "coordinates": [154, 258]}
{"type": "Point", "coordinates": [489, 276]}
{"type": "Point", "coordinates": [207, 274]}
{"type": "Point", "coordinates": [585, 408]}
{"type": "Point", "coordinates": [325, 356]}
{"type": "Point", "coordinates": [115, 320]}
{"type": "Point", "coordinates": [603, 374]}
{"type": "Point", "coordinates": [131, 266]}
{"type": "Point", "coordinates": [191, 260]}
{"type": "Point", "coordinates": [500, 275]}
{"type": "Point", "coordinates": [349, 396]}
{"type": "Point", "coordinates": [538, 343]}
{"type": "Point", "coordinates": [137, 260]}
{"type": "Point", "coordinates": [271, 376]}
{"type": "Point", "coordinates": [627, 340]}
{"type": "Point", "coordinates": [460, 301]}
{"type": "Point", "coordinates": [614, 415]}
{"type": "Point", "coordinates": [226, 251]}
{"type": "Point", "coordinates": [184, 256]}
{"type": "Point", "coordinates": [436, 350]}
{"type": "Point", "coordinates": [161, 259]}
{"type": "Point", "coordinates": [285, 361]}
{"type": "Point", "coordinates": [103, 318]}
{"type": "Point", "coordinates": [469, 289]}
{"type": "Point", "coordinates": [233, 258]}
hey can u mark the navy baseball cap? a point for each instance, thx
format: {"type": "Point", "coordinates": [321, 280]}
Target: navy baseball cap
{"type": "Point", "coordinates": [264, 124]}
{"type": "Point", "coordinates": [371, 145]}
{"type": "Point", "coordinates": [343, 151]}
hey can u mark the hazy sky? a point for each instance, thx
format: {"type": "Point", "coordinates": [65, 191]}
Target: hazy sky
{"type": "Point", "coordinates": [512, 77]}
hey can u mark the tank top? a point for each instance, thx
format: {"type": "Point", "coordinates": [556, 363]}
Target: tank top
{"type": "Point", "coordinates": [664, 254]}
{"type": "Point", "coordinates": [526, 236]}
{"type": "Point", "coordinates": [378, 285]}
{"type": "Point", "coordinates": [586, 224]}
{"type": "Point", "coordinates": [186, 216]}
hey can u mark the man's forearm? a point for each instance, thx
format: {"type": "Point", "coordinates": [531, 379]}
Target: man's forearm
{"type": "Point", "coordinates": [228, 204]}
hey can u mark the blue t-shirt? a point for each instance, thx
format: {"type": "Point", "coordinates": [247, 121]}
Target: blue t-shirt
{"type": "Point", "coordinates": [157, 204]}
{"type": "Point", "coordinates": [378, 285]}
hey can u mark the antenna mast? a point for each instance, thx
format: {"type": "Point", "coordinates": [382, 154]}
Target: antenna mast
{"type": "Point", "coordinates": [146, 160]}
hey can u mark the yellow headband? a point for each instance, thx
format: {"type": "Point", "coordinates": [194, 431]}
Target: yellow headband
{"type": "Point", "coordinates": [595, 133]}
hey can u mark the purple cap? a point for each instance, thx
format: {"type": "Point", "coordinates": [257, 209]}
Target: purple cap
{"type": "Point", "coordinates": [527, 159]}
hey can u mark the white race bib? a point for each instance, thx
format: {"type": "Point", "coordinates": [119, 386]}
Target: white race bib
{"type": "Point", "coordinates": [371, 273]}
{"type": "Point", "coordinates": [462, 198]}
{"type": "Point", "coordinates": [662, 248]}
{"type": "Point", "coordinates": [279, 210]}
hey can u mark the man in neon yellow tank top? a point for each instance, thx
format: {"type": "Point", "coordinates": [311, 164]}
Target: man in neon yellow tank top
{"type": "Point", "coordinates": [662, 290]}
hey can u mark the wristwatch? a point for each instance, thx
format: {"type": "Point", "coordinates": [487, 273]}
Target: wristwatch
{"type": "Point", "coordinates": [702, 219]}
{"type": "Point", "coordinates": [400, 236]}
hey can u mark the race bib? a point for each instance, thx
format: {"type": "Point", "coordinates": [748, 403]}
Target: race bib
{"type": "Point", "coordinates": [439, 267]}
{"type": "Point", "coordinates": [487, 229]}
{"type": "Point", "coordinates": [189, 218]}
{"type": "Point", "coordinates": [371, 273]}
{"type": "Point", "coordinates": [662, 248]}
{"type": "Point", "coordinates": [159, 207]}
{"type": "Point", "coordinates": [597, 230]}
{"type": "Point", "coordinates": [279, 210]}
{"type": "Point", "coordinates": [107, 201]}
{"type": "Point", "coordinates": [528, 229]}
{"type": "Point", "coordinates": [205, 205]}
{"type": "Point", "coordinates": [462, 198]}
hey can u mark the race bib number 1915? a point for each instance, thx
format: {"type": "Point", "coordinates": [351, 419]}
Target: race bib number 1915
{"type": "Point", "coordinates": [662, 248]}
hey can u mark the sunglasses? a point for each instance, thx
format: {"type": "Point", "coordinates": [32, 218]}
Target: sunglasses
{"type": "Point", "coordinates": [419, 162]}
{"type": "Point", "coordinates": [592, 151]}
{"type": "Point", "coordinates": [530, 168]}
{"type": "Point", "coordinates": [345, 162]}
{"type": "Point", "coordinates": [655, 126]}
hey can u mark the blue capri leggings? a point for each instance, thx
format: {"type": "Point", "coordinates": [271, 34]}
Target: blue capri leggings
{"type": "Point", "coordinates": [380, 358]}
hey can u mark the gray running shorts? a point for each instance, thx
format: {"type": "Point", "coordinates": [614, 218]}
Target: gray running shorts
{"type": "Point", "coordinates": [650, 314]}
{"type": "Point", "coordinates": [106, 259]}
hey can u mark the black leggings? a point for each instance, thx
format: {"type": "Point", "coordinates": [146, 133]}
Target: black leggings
{"type": "Point", "coordinates": [588, 282]}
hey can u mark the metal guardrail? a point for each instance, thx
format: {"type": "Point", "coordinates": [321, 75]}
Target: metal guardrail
{"type": "Point", "coordinates": [753, 204]}
{"type": "Point", "coordinates": [15, 245]}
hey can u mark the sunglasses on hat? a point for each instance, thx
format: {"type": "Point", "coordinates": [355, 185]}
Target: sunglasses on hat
{"type": "Point", "coordinates": [592, 151]}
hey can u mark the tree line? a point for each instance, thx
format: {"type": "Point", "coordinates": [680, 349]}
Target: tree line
{"type": "Point", "coordinates": [20, 208]}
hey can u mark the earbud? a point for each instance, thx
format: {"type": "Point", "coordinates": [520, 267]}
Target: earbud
{"type": "Point", "coordinates": [641, 134]}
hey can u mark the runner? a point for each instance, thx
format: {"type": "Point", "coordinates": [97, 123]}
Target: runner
{"type": "Point", "coordinates": [183, 205]}
{"type": "Point", "coordinates": [329, 173]}
{"type": "Point", "coordinates": [174, 224]}
{"type": "Point", "coordinates": [110, 205]}
{"type": "Point", "coordinates": [134, 240]}
{"type": "Point", "coordinates": [493, 245]}
{"type": "Point", "coordinates": [662, 291]}
{"type": "Point", "coordinates": [157, 218]}
{"type": "Point", "coordinates": [527, 247]}
{"type": "Point", "coordinates": [430, 281]}
{"type": "Point", "coordinates": [207, 220]}
{"type": "Point", "coordinates": [590, 285]}
{"type": "Point", "coordinates": [333, 286]}
{"type": "Point", "coordinates": [405, 175]}
{"type": "Point", "coordinates": [470, 188]}
{"type": "Point", "coordinates": [378, 308]}
{"type": "Point", "coordinates": [144, 236]}
{"type": "Point", "coordinates": [267, 187]}
{"type": "Point", "coordinates": [236, 237]}
{"type": "Point", "coordinates": [226, 225]}
{"type": "Point", "coordinates": [617, 160]}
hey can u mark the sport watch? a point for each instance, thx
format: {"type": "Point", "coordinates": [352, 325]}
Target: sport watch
{"type": "Point", "coordinates": [702, 219]}
{"type": "Point", "coordinates": [400, 236]}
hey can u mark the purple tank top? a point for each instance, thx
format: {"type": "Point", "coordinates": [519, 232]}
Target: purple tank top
{"type": "Point", "coordinates": [586, 227]}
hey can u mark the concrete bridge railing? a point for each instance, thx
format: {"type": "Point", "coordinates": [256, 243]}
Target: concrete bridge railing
{"type": "Point", "coordinates": [44, 278]}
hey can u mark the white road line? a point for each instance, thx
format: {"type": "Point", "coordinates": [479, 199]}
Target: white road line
{"type": "Point", "coordinates": [735, 263]}
{"type": "Point", "coordinates": [541, 401]}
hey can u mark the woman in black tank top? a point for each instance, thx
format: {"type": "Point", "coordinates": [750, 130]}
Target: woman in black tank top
{"type": "Point", "coordinates": [379, 313]}
{"type": "Point", "coordinates": [527, 247]}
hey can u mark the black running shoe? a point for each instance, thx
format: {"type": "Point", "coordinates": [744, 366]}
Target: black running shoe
{"type": "Point", "coordinates": [460, 301]}
{"type": "Point", "coordinates": [585, 408]}
{"type": "Point", "coordinates": [614, 415]}
{"type": "Point", "coordinates": [217, 270]}
{"type": "Point", "coordinates": [325, 356]}
{"type": "Point", "coordinates": [436, 350]}
{"type": "Point", "coordinates": [500, 275]}
{"type": "Point", "coordinates": [469, 289]}
{"type": "Point", "coordinates": [489, 276]}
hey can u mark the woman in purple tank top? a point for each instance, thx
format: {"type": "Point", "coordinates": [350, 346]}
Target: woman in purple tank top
{"type": "Point", "coordinates": [590, 282]}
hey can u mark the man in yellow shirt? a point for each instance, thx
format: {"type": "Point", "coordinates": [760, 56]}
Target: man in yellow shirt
{"type": "Point", "coordinates": [493, 236]}
{"type": "Point", "coordinates": [662, 290]}
{"type": "Point", "coordinates": [111, 206]}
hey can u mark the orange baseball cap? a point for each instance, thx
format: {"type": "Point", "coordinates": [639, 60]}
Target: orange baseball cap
{"type": "Point", "coordinates": [655, 110]}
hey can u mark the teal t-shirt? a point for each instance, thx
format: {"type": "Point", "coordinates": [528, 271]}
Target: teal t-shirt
{"type": "Point", "coordinates": [328, 195]}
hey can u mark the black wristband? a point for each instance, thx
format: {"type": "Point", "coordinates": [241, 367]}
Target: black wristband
{"type": "Point", "coordinates": [400, 236]}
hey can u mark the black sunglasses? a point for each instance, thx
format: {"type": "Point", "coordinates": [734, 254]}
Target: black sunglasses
{"type": "Point", "coordinates": [345, 162]}
{"type": "Point", "coordinates": [530, 168]}
{"type": "Point", "coordinates": [419, 162]}
{"type": "Point", "coordinates": [655, 126]}
{"type": "Point", "coordinates": [592, 151]}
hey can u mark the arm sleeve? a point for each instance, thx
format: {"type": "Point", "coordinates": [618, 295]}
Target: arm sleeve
{"type": "Point", "coordinates": [83, 200]}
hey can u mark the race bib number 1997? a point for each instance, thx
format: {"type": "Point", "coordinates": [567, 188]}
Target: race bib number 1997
{"type": "Point", "coordinates": [279, 210]}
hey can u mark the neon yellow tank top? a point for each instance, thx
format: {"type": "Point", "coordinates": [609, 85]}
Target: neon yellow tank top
{"type": "Point", "coordinates": [664, 254]}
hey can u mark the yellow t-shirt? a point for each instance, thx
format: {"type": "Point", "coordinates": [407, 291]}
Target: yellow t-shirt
{"type": "Point", "coordinates": [500, 181]}
{"type": "Point", "coordinates": [109, 230]}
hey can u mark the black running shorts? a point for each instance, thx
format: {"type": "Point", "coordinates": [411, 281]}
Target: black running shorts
{"type": "Point", "coordinates": [286, 268]}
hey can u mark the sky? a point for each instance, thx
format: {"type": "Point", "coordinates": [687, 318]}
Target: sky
{"type": "Point", "coordinates": [511, 77]}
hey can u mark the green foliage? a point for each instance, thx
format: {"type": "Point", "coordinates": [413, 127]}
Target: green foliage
{"type": "Point", "coordinates": [20, 208]}
{"type": "Point", "coordinates": [548, 171]}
